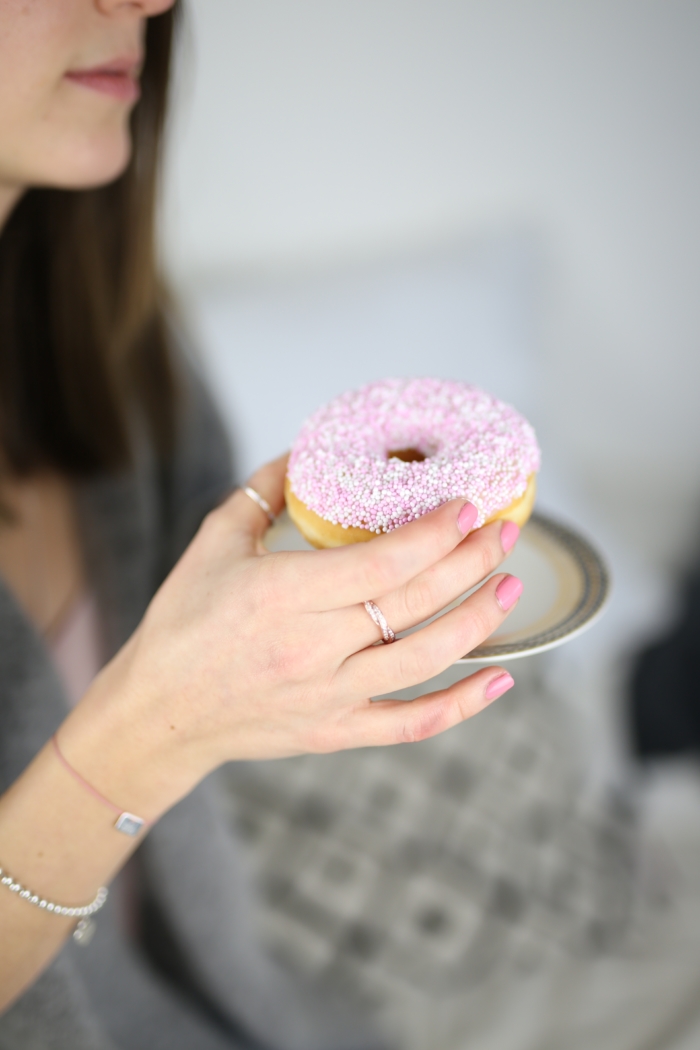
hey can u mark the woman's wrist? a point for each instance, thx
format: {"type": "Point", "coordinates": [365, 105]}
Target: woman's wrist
{"type": "Point", "coordinates": [59, 840]}
{"type": "Point", "coordinates": [120, 741]}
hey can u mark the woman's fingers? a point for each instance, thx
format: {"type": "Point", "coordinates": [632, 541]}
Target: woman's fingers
{"type": "Point", "coordinates": [346, 575]}
{"type": "Point", "coordinates": [333, 579]}
{"type": "Point", "coordinates": [387, 722]}
{"type": "Point", "coordinates": [419, 656]}
{"type": "Point", "coordinates": [430, 591]}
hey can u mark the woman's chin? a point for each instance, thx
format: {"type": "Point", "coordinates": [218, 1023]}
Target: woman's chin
{"type": "Point", "coordinates": [91, 163]}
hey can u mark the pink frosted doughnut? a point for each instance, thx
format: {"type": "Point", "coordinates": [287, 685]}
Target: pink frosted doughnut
{"type": "Point", "coordinates": [458, 440]}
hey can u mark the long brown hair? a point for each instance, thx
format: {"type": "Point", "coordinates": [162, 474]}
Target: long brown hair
{"type": "Point", "coordinates": [83, 341]}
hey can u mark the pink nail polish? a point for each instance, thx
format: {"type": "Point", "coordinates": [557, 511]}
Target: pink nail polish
{"type": "Point", "coordinates": [508, 591]}
{"type": "Point", "coordinates": [466, 518]}
{"type": "Point", "coordinates": [499, 685]}
{"type": "Point", "coordinates": [509, 534]}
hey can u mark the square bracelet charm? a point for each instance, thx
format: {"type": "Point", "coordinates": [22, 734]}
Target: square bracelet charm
{"type": "Point", "coordinates": [129, 824]}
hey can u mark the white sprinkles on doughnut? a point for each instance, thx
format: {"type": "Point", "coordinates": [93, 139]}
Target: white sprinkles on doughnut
{"type": "Point", "coordinates": [473, 445]}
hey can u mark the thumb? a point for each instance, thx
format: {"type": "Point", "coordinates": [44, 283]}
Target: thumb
{"type": "Point", "coordinates": [245, 516]}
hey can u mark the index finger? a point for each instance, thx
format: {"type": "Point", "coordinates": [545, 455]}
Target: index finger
{"type": "Point", "coordinates": [343, 576]}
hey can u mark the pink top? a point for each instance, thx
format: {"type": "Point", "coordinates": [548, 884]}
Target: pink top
{"type": "Point", "coordinates": [475, 446]}
{"type": "Point", "coordinates": [76, 647]}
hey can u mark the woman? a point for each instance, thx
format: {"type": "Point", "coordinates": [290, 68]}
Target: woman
{"type": "Point", "coordinates": [111, 460]}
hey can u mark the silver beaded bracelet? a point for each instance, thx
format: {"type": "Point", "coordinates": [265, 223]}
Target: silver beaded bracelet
{"type": "Point", "coordinates": [85, 928]}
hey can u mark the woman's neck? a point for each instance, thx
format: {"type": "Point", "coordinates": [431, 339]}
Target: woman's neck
{"type": "Point", "coordinates": [40, 552]}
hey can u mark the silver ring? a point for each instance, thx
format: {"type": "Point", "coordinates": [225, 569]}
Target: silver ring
{"type": "Point", "coordinates": [377, 615]}
{"type": "Point", "coordinates": [261, 502]}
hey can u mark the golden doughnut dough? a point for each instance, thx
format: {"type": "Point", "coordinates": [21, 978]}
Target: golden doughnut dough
{"type": "Point", "coordinates": [321, 533]}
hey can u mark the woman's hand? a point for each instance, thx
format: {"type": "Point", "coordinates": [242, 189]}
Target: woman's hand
{"type": "Point", "coordinates": [245, 654]}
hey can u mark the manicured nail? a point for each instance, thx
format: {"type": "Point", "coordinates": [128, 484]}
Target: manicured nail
{"type": "Point", "coordinates": [509, 534]}
{"type": "Point", "coordinates": [499, 685]}
{"type": "Point", "coordinates": [508, 591]}
{"type": "Point", "coordinates": [466, 518]}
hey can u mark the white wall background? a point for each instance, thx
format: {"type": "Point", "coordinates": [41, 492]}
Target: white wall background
{"type": "Point", "coordinates": [315, 132]}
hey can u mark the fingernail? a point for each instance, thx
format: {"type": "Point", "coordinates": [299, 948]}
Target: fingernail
{"type": "Point", "coordinates": [509, 534]}
{"type": "Point", "coordinates": [466, 518]}
{"type": "Point", "coordinates": [499, 685]}
{"type": "Point", "coordinates": [508, 591]}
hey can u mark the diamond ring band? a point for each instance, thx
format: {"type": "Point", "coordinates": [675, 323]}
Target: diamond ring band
{"type": "Point", "coordinates": [377, 615]}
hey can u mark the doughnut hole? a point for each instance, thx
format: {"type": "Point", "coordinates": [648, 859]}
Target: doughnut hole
{"type": "Point", "coordinates": [407, 455]}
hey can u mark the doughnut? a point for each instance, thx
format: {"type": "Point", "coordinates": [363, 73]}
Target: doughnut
{"type": "Point", "coordinates": [376, 458]}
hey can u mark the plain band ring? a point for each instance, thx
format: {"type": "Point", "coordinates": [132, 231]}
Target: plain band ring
{"type": "Point", "coordinates": [261, 502]}
{"type": "Point", "coordinates": [377, 615]}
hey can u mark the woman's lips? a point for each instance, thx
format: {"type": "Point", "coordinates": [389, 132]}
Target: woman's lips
{"type": "Point", "coordinates": [118, 79]}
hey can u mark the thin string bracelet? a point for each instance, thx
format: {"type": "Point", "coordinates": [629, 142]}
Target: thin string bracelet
{"type": "Point", "coordinates": [127, 823]}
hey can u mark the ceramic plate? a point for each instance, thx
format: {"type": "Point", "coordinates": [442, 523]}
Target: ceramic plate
{"type": "Point", "coordinates": [566, 585]}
